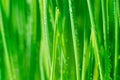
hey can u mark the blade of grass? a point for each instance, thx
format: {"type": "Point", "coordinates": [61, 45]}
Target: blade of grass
{"type": "Point", "coordinates": [9, 39]}
{"type": "Point", "coordinates": [112, 35]}
{"type": "Point", "coordinates": [55, 43]}
{"type": "Point", "coordinates": [63, 51]}
{"type": "Point", "coordinates": [85, 59]}
{"type": "Point", "coordinates": [74, 38]}
{"type": "Point", "coordinates": [90, 70]}
{"type": "Point", "coordinates": [43, 4]}
{"type": "Point", "coordinates": [86, 52]}
{"type": "Point", "coordinates": [5, 48]}
{"type": "Point", "coordinates": [5, 4]}
{"type": "Point", "coordinates": [104, 5]}
{"type": "Point", "coordinates": [94, 39]}
{"type": "Point", "coordinates": [34, 44]}
{"type": "Point", "coordinates": [116, 16]}
{"type": "Point", "coordinates": [1, 49]}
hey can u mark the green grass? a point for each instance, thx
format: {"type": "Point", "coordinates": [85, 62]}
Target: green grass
{"type": "Point", "coordinates": [59, 39]}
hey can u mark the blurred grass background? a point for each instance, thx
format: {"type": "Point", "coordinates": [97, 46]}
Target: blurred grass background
{"type": "Point", "coordinates": [59, 39]}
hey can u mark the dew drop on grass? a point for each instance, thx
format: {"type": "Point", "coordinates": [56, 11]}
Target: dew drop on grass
{"type": "Point", "coordinates": [67, 58]}
{"type": "Point", "coordinates": [66, 64]}
{"type": "Point", "coordinates": [91, 78]}
{"type": "Point", "coordinates": [119, 57]}
{"type": "Point", "coordinates": [66, 40]}
{"type": "Point", "coordinates": [76, 33]}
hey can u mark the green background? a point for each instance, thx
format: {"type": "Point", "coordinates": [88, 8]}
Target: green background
{"type": "Point", "coordinates": [59, 39]}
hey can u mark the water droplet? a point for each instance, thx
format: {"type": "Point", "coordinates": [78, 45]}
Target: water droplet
{"type": "Point", "coordinates": [118, 56]}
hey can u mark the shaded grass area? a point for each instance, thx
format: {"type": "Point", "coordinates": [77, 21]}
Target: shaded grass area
{"type": "Point", "coordinates": [59, 39]}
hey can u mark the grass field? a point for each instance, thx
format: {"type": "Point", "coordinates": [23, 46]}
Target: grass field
{"type": "Point", "coordinates": [59, 39]}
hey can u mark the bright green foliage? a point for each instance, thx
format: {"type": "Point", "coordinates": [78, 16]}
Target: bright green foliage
{"type": "Point", "coordinates": [59, 39]}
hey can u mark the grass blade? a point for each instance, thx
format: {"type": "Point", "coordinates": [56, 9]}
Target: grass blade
{"type": "Point", "coordinates": [5, 48]}
{"type": "Point", "coordinates": [74, 39]}
{"type": "Point", "coordinates": [94, 39]}
{"type": "Point", "coordinates": [104, 5]}
{"type": "Point", "coordinates": [116, 16]}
